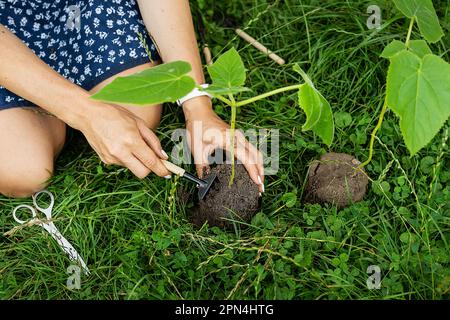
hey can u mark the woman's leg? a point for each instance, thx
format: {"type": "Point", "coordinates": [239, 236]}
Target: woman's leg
{"type": "Point", "coordinates": [29, 144]}
{"type": "Point", "coordinates": [150, 114]}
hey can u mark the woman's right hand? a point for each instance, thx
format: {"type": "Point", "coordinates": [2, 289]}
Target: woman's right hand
{"type": "Point", "coordinates": [119, 137]}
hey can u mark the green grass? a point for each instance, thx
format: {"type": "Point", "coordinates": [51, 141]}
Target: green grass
{"type": "Point", "coordinates": [137, 238]}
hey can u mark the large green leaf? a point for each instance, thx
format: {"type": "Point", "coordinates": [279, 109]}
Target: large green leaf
{"type": "Point", "coordinates": [418, 91]}
{"type": "Point", "coordinates": [425, 14]}
{"type": "Point", "coordinates": [418, 47]}
{"type": "Point", "coordinates": [227, 74]}
{"type": "Point", "coordinates": [164, 83]}
{"type": "Point", "coordinates": [319, 117]}
{"type": "Point", "coordinates": [318, 113]}
{"type": "Point", "coordinates": [311, 103]}
{"type": "Point", "coordinates": [392, 49]}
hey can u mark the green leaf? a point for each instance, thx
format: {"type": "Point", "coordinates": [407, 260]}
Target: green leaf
{"type": "Point", "coordinates": [392, 49]}
{"type": "Point", "coordinates": [425, 14]}
{"type": "Point", "coordinates": [381, 188]}
{"type": "Point", "coordinates": [319, 117]}
{"type": "Point", "coordinates": [227, 74]}
{"type": "Point", "coordinates": [418, 91]}
{"type": "Point", "coordinates": [313, 105]}
{"type": "Point", "coordinates": [426, 164]}
{"type": "Point", "coordinates": [290, 199]}
{"type": "Point", "coordinates": [418, 47]}
{"type": "Point", "coordinates": [164, 83]}
{"type": "Point", "coordinates": [405, 237]}
{"type": "Point", "coordinates": [310, 102]}
{"type": "Point", "coordinates": [343, 119]}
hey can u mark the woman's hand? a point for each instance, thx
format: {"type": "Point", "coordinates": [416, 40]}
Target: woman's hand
{"type": "Point", "coordinates": [119, 137]}
{"type": "Point", "coordinates": [207, 132]}
{"type": "Point", "coordinates": [116, 135]}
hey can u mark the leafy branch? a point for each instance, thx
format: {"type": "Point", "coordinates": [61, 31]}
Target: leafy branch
{"type": "Point", "coordinates": [418, 82]}
{"type": "Point", "coordinates": [170, 81]}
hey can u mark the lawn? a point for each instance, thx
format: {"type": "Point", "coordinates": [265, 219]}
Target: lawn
{"type": "Point", "coordinates": [137, 238]}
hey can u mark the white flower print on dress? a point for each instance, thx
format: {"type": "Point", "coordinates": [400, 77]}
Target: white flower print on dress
{"type": "Point", "coordinates": [87, 70]}
{"type": "Point", "coordinates": [79, 59]}
{"type": "Point", "coordinates": [36, 26]}
{"type": "Point", "coordinates": [107, 43]}
{"type": "Point", "coordinates": [99, 9]}
{"type": "Point", "coordinates": [96, 22]}
{"type": "Point", "coordinates": [23, 22]}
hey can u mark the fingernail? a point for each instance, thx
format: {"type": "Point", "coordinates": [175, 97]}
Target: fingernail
{"type": "Point", "coordinates": [262, 184]}
{"type": "Point", "coordinates": [164, 153]}
{"type": "Point", "coordinates": [168, 177]}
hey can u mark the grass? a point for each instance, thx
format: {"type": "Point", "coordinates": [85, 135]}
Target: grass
{"type": "Point", "coordinates": [137, 239]}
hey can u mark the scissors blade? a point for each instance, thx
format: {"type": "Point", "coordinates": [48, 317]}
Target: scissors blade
{"type": "Point", "coordinates": [66, 246]}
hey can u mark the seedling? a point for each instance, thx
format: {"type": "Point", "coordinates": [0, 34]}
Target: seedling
{"type": "Point", "coordinates": [418, 82]}
{"type": "Point", "coordinates": [169, 82]}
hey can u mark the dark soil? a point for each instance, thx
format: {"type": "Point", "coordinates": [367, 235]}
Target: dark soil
{"type": "Point", "coordinates": [333, 179]}
{"type": "Point", "coordinates": [240, 202]}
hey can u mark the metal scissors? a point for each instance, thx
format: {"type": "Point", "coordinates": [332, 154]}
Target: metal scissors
{"type": "Point", "coordinates": [50, 227]}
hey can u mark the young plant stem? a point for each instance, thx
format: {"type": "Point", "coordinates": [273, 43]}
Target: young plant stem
{"type": "Point", "coordinates": [234, 105]}
{"type": "Point", "coordinates": [373, 135]}
{"type": "Point", "coordinates": [224, 100]}
{"type": "Point", "coordinates": [384, 109]}
{"type": "Point", "coordinates": [267, 94]}
{"type": "Point", "coordinates": [408, 37]}
{"type": "Point", "coordinates": [232, 137]}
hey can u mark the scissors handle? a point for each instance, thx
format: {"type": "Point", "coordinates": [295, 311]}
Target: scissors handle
{"type": "Point", "coordinates": [23, 206]}
{"type": "Point", "coordinates": [47, 211]}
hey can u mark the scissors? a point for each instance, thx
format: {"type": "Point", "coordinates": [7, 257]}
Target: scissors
{"type": "Point", "coordinates": [50, 227]}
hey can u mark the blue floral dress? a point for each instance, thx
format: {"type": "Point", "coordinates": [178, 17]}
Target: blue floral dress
{"type": "Point", "coordinates": [85, 41]}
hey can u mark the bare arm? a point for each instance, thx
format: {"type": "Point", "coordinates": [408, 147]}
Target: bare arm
{"type": "Point", "coordinates": [115, 134]}
{"type": "Point", "coordinates": [170, 23]}
{"type": "Point", "coordinates": [23, 73]}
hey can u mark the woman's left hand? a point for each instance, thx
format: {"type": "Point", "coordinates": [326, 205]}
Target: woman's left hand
{"type": "Point", "coordinates": [207, 132]}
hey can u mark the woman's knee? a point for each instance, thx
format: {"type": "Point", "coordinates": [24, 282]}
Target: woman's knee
{"type": "Point", "coordinates": [20, 182]}
{"type": "Point", "coordinates": [32, 141]}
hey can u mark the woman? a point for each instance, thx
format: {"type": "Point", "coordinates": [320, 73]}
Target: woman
{"type": "Point", "coordinates": [45, 63]}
